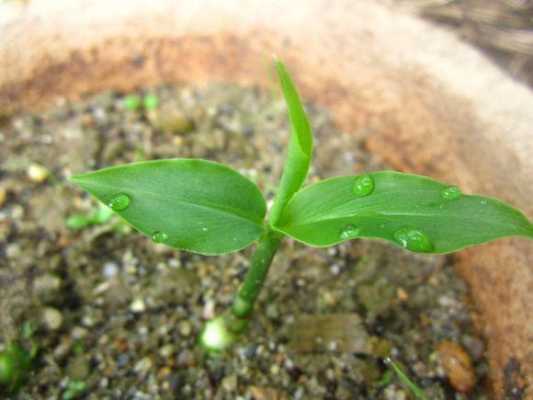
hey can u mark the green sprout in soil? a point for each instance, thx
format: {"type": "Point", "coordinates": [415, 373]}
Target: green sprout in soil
{"type": "Point", "coordinates": [208, 208]}
{"type": "Point", "coordinates": [74, 389]}
{"type": "Point", "coordinates": [150, 101]}
{"type": "Point", "coordinates": [16, 361]}
{"type": "Point", "coordinates": [134, 102]}
{"type": "Point", "coordinates": [98, 216]}
{"type": "Point", "coordinates": [406, 381]}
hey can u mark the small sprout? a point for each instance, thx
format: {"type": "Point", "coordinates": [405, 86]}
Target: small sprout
{"type": "Point", "coordinates": [77, 222]}
{"type": "Point", "coordinates": [99, 216]}
{"type": "Point", "coordinates": [132, 102]}
{"type": "Point", "coordinates": [3, 196]}
{"type": "Point", "coordinates": [405, 380]}
{"type": "Point", "coordinates": [208, 208]}
{"type": "Point", "coordinates": [386, 379]}
{"type": "Point", "coordinates": [74, 389]}
{"type": "Point", "coordinates": [15, 366]}
{"type": "Point", "coordinates": [150, 101]}
{"type": "Point", "coordinates": [27, 330]}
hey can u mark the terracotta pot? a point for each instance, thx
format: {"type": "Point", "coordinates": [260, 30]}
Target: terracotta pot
{"type": "Point", "coordinates": [433, 105]}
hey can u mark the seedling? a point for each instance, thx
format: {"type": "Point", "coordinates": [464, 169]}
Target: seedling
{"type": "Point", "coordinates": [15, 364]}
{"type": "Point", "coordinates": [74, 390]}
{"type": "Point", "coordinates": [98, 216]}
{"type": "Point", "coordinates": [406, 381]}
{"type": "Point", "coordinates": [16, 361]}
{"type": "Point", "coordinates": [134, 102]}
{"type": "Point", "coordinates": [208, 208]}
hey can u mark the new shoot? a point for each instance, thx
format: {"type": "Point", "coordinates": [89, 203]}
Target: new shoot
{"type": "Point", "coordinates": [209, 208]}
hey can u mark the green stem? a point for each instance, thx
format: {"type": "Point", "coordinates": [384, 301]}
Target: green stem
{"type": "Point", "coordinates": [253, 282]}
{"type": "Point", "coordinates": [221, 332]}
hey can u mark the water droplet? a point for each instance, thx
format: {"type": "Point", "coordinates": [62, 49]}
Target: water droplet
{"type": "Point", "coordinates": [349, 232]}
{"type": "Point", "coordinates": [159, 237]}
{"type": "Point", "coordinates": [120, 202]}
{"type": "Point", "coordinates": [413, 240]}
{"type": "Point", "coordinates": [363, 185]}
{"type": "Point", "coordinates": [451, 193]}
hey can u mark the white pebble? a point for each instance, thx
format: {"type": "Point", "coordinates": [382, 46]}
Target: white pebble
{"type": "Point", "coordinates": [37, 173]}
{"type": "Point", "coordinates": [52, 318]}
{"type": "Point", "coordinates": [110, 269]}
{"type": "Point", "coordinates": [138, 306]}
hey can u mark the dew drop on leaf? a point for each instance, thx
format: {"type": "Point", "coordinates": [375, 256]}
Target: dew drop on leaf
{"type": "Point", "coordinates": [119, 203]}
{"type": "Point", "coordinates": [414, 240]}
{"type": "Point", "coordinates": [363, 185]}
{"type": "Point", "coordinates": [349, 232]}
{"type": "Point", "coordinates": [451, 193]}
{"type": "Point", "coordinates": [159, 237]}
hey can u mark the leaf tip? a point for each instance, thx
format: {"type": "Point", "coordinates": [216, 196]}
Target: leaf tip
{"type": "Point", "coordinates": [278, 63]}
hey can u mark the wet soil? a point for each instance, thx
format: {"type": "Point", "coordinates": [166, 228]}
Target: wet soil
{"type": "Point", "coordinates": [117, 316]}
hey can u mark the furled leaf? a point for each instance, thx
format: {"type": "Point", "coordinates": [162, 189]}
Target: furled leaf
{"type": "Point", "coordinates": [300, 145]}
{"type": "Point", "coordinates": [189, 204]}
{"type": "Point", "coordinates": [412, 211]}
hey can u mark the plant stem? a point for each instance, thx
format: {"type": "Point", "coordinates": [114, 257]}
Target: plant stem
{"type": "Point", "coordinates": [222, 331]}
{"type": "Point", "coordinates": [255, 277]}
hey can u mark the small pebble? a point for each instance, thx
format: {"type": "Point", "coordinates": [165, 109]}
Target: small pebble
{"type": "Point", "coordinates": [3, 196]}
{"type": "Point", "coordinates": [274, 369]}
{"type": "Point", "coordinates": [138, 305]}
{"type": "Point", "coordinates": [144, 365]}
{"type": "Point", "coordinates": [167, 350]}
{"type": "Point", "coordinates": [12, 250]}
{"type": "Point", "coordinates": [335, 269]}
{"type": "Point", "coordinates": [185, 328]}
{"type": "Point", "coordinates": [402, 294]}
{"type": "Point", "coordinates": [37, 173]}
{"type": "Point", "coordinates": [79, 332]}
{"type": "Point", "coordinates": [185, 359]}
{"type": "Point", "coordinates": [209, 309]}
{"type": "Point", "coordinates": [17, 211]}
{"type": "Point", "coordinates": [52, 318]}
{"type": "Point", "coordinates": [123, 360]}
{"type": "Point", "coordinates": [264, 393]}
{"type": "Point", "coordinates": [110, 269]}
{"type": "Point", "coordinates": [229, 383]}
{"type": "Point", "coordinates": [47, 287]}
{"type": "Point", "coordinates": [173, 121]}
{"type": "Point", "coordinates": [272, 311]}
{"type": "Point", "coordinates": [457, 366]}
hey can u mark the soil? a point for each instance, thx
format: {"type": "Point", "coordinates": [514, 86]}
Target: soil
{"type": "Point", "coordinates": [117, 316]}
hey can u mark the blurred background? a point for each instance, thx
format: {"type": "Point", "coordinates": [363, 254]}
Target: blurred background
{"type": "Point", "coordinates": [503, 29]}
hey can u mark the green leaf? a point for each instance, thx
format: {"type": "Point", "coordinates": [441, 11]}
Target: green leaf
{"type": "Point", "coordinates": [412, 211]}
{"type": "Point", "coordinates": [189, 204]}
{"type": "Point", "coordinates": [300, 145]}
